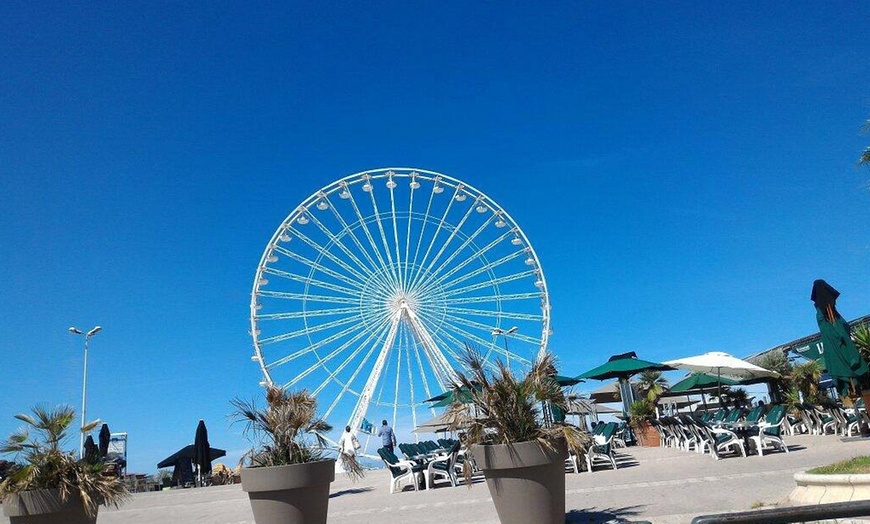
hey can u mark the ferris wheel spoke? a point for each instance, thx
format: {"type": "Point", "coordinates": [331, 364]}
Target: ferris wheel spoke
{"type": "Point", "coordinates": [372, 335]}
{"type": "Point", "coordinates": [422, 372]}
{"type": "Point", "coordinates": [313, 347]}
{"type": "Point", "coordinates": [423, 223]}
{"type": "Point", "coordinates": [443, 370]}
{"type": "Point", "coordinates": [308, 313]}
{"type": "Point", "coordinates": [377, 215]}
{"type": "Point", "coordinates": [487, 329]}
{"type": "Point", "coordinates": [326, 253]}
{"type": "Point", "coordinates": [315, 266]}
{"type": "Point", "coordinates": [336, 239]}
{"type": "Point", "coordinates": [418, 273]}
{"type": "Point", "coordinates": [450, 237]}
{"type": "Point", "coordinates": [492, 298]}
{"type": "Point", "coordinates": [368, 234]}
{"type": "Point", "coordinates": [410, 221]}
{"type": "Point", "coordinates": [439, 336]}
{"type": "Point", "coordinates": [461, 248]}
{"type": "Point", "coordinates": [471, 258]}
{"type": "Point", "coordinates": [346, 387]}
{"type": "Point", "coordinates": [320, 363]}
{"type": "Point", "coordinates": [373, 270]}
{"type": "Point", "coordinates": [307, 298]}
{"type": "Point", "coordinates": [310, 280]}
{"type": "Point", "coordinates": [468, 335]}
{"type": "Point", "coordinates": [457, 322]}
{"type": "Point", "coordinates": [489, 314]}
{"type": "Point", "coordinates": [490, 283]}
{"type": "Point", "coordinates": [391, 184]}
{"type": "Point", "coordinates": [309, 330]}
{"type": "Point", "coordinates": [398, 381]}
{"type": "Point", "coordinates": [487, 267]}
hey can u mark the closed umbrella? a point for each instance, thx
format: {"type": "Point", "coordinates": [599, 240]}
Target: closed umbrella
{"type": "Point", "coordinates": [842, 359]}
{"type": "Point", "coordinates": [621, 367]}
{"type": "Point", "coordinates": [202, 451]}
{"type": "Point", "coordinates": [105, 437]}
{"type": "Point", "coordinates": [92, 452]}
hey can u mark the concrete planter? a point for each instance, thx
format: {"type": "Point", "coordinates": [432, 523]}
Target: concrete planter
{"type": "Point", "coordinates": [822, 489]}
{"type": "Point", "coordinates": [526, 481]}
{"type": "Point", "coordinates": [294, 494]}
{"type": "Point", "coordinates": [44, 506]}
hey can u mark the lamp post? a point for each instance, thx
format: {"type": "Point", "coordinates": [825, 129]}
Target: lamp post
{"type": "Point", "coordinates": [497, 332]}
{"type": "Point", "coordinates": [88, 335]}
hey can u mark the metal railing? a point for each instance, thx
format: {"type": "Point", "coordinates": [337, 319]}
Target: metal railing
{"type": "Point", "coordinates": [837, 510]}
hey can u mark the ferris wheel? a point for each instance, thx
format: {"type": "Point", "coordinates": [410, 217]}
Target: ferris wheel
{"type": "Point", "coordinates": [369, 290]}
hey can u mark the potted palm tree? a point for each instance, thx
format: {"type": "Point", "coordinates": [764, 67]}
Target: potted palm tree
{"type": "Point", "coordinates": [52, 485]}
{"type": "Point", "coordinates": [651, 384]}
{"type": "Point", "coordinates": [640, 412]}
{"type": "Point", "coordinates": [287, 478]}
{"type": "Point", "coordinates": [522, 459]}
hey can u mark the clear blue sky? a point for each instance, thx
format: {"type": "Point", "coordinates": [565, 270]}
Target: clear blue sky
{"type": "Point", "coordinates": [685, 171]}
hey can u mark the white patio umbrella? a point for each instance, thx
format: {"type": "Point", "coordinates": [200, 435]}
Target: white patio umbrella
{"type": "Point", "coordinates": [722, 365]}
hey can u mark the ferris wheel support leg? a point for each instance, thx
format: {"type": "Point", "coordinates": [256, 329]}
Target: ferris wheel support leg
{"type": "Point", "coordinates": [443, 371]}
{"type": "Point", "coordinates": [362, 405]}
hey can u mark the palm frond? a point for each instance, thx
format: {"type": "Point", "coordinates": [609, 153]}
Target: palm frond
{"type": "Point", "coordinates": [281, 427]}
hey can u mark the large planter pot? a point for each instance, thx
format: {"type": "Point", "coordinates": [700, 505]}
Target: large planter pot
{"type": "Point", "coordinates": [526, 481]}
{"type": "Point", "coordinates": [294, 494]}
{"type": "Point", "coordinates": [646, 434]}
{"type": "Point", "coordinates": [44, 506]}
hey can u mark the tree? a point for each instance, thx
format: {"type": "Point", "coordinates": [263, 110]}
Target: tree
{"type": "Point", "coordinates": [861, 337]}
{"type": "Point", "coordinates": [651, 384]}
{"type": "Point", "coordinates": [805, 378]}
{"type": "Point", "coordinates": [776, 361]}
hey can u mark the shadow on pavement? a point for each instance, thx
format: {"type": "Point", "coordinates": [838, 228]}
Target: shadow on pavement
{"type": "Point", "coordinates": [601, 516]}
{"type": "Point", "coordinates": [350, 491]}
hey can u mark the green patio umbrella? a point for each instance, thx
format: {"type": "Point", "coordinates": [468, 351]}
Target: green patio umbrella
{"type": "Point", "coordinates": [842, 359]}
{"type": "Point", "coordinates": [621, 367]}
{"type": "Point", "coordinates": [449, 397]}
{"type": "Point", "coordinates": [567, 381]}
{"type": "Point", "coordinates": [699, 382]}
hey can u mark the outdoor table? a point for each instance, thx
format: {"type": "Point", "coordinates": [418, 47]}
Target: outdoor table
{"type": "Point", "coordinates": [744, 430]}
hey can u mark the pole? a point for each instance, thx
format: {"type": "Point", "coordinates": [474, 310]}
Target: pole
{"type": "Point", "coordinates": [84, 400]}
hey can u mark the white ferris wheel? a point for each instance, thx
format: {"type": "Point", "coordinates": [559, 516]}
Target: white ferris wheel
{"type": "Point", "coordinates": [369, 290]}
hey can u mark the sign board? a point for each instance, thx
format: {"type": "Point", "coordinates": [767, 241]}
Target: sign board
{"type": "Point", "coordinates": [118, 445]}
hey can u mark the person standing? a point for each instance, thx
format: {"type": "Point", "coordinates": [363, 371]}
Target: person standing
{"type": "Point", "coordinates": [388, 438]}
{"type": "Point", "coordinates": [348, 444]}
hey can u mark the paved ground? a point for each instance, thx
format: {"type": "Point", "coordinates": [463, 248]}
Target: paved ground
{"type": "Point", "coordinates": [663, 486]}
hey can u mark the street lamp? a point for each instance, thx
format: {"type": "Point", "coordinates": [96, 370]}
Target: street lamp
{"type": "Point", "coordinates": [504, 333]}
{"type": "Point", "coordinates": [88, 335]}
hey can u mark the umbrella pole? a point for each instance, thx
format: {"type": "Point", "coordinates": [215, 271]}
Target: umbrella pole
{"type": "Point", "coordinates": [703, 400]}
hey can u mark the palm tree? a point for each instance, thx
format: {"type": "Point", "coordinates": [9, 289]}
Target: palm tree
{"type": "Point", "coordinates": [806, 378]}
{"type": "Point", "coordinates": [651, 384]}
{"type": "Point", "coordinates": [861, 334]}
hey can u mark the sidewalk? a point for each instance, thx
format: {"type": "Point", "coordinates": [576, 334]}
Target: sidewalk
{"type": "Point", "coordinates": [663, 486]}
